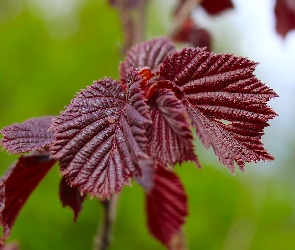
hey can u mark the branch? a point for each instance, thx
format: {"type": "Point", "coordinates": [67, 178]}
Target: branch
{"type": "Point", "coordinates": [182, 14]}
{"type": "Point", "coordinates": [103, 237]}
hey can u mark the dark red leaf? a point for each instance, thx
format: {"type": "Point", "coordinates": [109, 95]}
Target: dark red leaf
{"type": "Point", "coordinates": [71, 196]}
{"type": "Point", "coordinates": [285, 16]}
{"type": "Point", "coordinates": [194, 35]}
{"type": "Point", "coordinates": [30, 135]}
{"type": "Point", "coordinates": [226, 103]}
{"type": "Point", "coordinates": [147, 54]}
{"type": "Point", "coordinates": [214, 7]}
{"type": "Point", "coordinates": [101, 136]}
{"type": "Point", "coordinates": [170, 137]}
{"type": "Point", "coordinates": [166, 206]}
{"type": "Point", "coordinates": [17, 185]}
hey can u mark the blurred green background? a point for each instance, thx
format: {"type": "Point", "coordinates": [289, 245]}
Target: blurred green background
{"type": "Point", "coordinates": [49, 51]}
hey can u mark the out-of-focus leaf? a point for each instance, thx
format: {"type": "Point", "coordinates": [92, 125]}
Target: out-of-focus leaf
{"type": "Point", "coordinates": [17, 185]}
{"type": "Point", "coordinates": [226, 103]}
{"type": "Point", "coordinates": [214, 7]}
{"type": "Point", "coordinates": [285, 16]}
{"type": "Point", "coordinates": [30, 135]}
{"type": "Point", "coordinates": [194, 35]}
{"type": "Point", "coordinates": [166, 206]}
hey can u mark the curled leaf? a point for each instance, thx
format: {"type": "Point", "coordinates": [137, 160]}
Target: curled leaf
{"type": "Point", "coordinates": [30, 135]}
{"type": "Point", "coordinates": [166, 206]}
{"type": "Point", "coordinates": [17, 185]}
{"type": "Point", "coordinates": [226, 103]}
{"type": "Point", "coordinates": [101, 136]}
{"type": "Point", "coordinates": [170, 137]}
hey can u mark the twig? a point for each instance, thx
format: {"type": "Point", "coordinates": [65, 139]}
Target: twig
{"type": "Point", "coordinates": [103, 237]}
{"type": "Point", "coordinates": [178, 242]}
{"type": "Point", "coordinates": [140, 21]}
{"type": "Point", "coordinates": [182, 15]}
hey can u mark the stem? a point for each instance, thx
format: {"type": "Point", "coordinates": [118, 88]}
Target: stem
{"type": "Point", "coordinates": [178, 242]}
{"type": "Point", "coordinates": [103, 237]}
{"type": "Point", "coordinates": [140, 22]}
{"type": "Point", "coordinates": [182, 14]}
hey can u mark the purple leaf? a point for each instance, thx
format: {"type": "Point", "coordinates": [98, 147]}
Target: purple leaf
{"type": "Point", "coordinates": [30, 135]}
{"type": "Point", "coordinates": [166, 206]}
{"type": "Point", "coordinates": [170, 137]}
{"type": "Point", "coordinates": [101, 136]}
{"type": "Point", "coordinates": [147, 54]}
{"type": "Point", "coordinates": [226, 103]}
{"type": "Point", "coordinates": [70, 196]}
{"type": "Point", "coordinates": [17, 185]}
{"type": "Point", "coordinates": [285, 16]}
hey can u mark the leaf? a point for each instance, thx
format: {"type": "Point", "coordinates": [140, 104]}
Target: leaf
{"type": "Point", "coordinates": [285, 16]}
{"type": "Point", "coordinates": [71, 196]}
{"type": "Point", "coordinates": [215, 7]}
{"type": "Point", "coordinates": [17, 185]}
{"type": "Point", "coordinates": [30, 135]}
{"type": "Point", "coordinates": [170, 137]}
{"type": "Point", "coordinates": [147, 54]}
{"type": "Point", "coordinates": [166, 206]}
{"type": "Point", "coordinates": [191, 33]}
{"type": "Point", "coordinates": [226, 103]}
{"type": "Point", "coordinates": [101, 136]}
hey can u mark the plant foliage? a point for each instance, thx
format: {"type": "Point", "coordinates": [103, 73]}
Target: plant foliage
{"type": "Point", "coordinates": [140, 127]}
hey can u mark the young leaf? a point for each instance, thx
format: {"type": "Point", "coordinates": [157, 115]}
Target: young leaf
{"type": "Point", "coordinates": [17, 185]}
{"type": "Point", "coordinates": [226, 103]}
{"type": "Point", "coordinates": [30, 135]}
{"type": "Point", "coordinates": [170, 137]}
{"type": "Point", "coordinates": [285, 16]}
{"type": "Point", "coordinates": [147, 54]}
{"type": "Point", "coordinates": [101, 136]}
{"type": "Point", "coordinates": [71, 196]}
{"type": "Point", "coordinates": [166, 206]}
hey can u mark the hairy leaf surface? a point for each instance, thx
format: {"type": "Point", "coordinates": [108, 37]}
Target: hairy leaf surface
{"type": "Point", "coordinates": [226, 103]}
{"type": "Point", "coordinates": [285, 16]}
{"type": "Point", "coordinates": [170, 137]}
{"type": "Point", "coordinates": [71, 197]}
{"type": "Point", "coordinates": [17, 185]}
{"type": "Point", "coordinates": [166, 206]}
{"type": "Point", "coordinates": [30, 135]}
{"type": "Point", "coordinates": [147, 54]}
{"type": "Point", "coordinates": [101, 136]}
